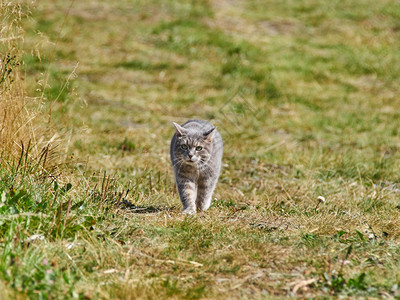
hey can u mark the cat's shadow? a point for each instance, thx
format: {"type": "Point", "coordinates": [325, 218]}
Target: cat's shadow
{"type": "Point", "coordinates": [144, 209]}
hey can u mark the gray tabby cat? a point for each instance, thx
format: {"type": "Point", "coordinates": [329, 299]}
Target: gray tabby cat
{"type": "Point", "coordinates": [196, 153]}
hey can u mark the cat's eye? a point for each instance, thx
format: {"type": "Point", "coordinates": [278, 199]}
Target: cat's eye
{"type": "Point", "coordinates": [199, 148]}
{"type": "Point", "coordinates": [184, 147]}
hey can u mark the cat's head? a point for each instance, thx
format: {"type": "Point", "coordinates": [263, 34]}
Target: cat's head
{"type": "Point", "coordinates": [193, 146]}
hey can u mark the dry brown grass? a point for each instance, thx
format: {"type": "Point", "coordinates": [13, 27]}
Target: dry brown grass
{"type": "Point", "coordinates": [23, 124]}
{"type": "Point", "coordinates": [15, 122]}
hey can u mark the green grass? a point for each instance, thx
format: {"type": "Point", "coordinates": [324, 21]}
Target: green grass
{"type": "Point", "coordinates": [304, 94]}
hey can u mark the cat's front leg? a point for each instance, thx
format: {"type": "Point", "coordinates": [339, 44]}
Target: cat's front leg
{"type": "Point", "coordinates": [205, 191]}
{"type": "Point", "coordinates": [187, 193]}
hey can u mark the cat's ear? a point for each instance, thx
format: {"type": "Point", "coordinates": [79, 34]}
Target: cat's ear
{"type": "Point", "coordinates": [180, 131]}
{"type": "Point", "coordinates": [208, 135]}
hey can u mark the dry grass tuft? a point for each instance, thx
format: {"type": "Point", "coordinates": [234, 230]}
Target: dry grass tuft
{"type": "Point", "coordinates": [20, 114]}
{"type": "Point", "coordinates": [14, 119]}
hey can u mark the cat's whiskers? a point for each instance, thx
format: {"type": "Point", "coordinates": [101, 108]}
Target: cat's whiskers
{"type": "Point", "coordinates": [178, 161]}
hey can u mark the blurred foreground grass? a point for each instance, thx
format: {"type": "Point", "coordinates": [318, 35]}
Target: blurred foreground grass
{"type": "Point", "coordinates": [305, 95]}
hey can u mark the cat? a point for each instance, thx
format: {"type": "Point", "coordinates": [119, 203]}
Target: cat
{"type": "Point", "coordinates": [196, 155]}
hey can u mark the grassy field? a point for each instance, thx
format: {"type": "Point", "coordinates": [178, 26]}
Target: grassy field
{"type": "Point", "coordinates": [305, 95]}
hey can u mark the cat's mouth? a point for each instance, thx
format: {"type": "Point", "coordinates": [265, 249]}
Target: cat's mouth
{"type": "Point", "coordinates": [192, 160]}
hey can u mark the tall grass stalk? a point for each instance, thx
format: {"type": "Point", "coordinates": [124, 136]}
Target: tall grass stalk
{"type": "Point", "coordinates": [15, 121]}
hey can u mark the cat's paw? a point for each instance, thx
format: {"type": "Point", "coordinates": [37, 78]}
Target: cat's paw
{"type": "Point", "coordinates": [189, 211]}
{"type": "Point", "coordinates": [203, 205]}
